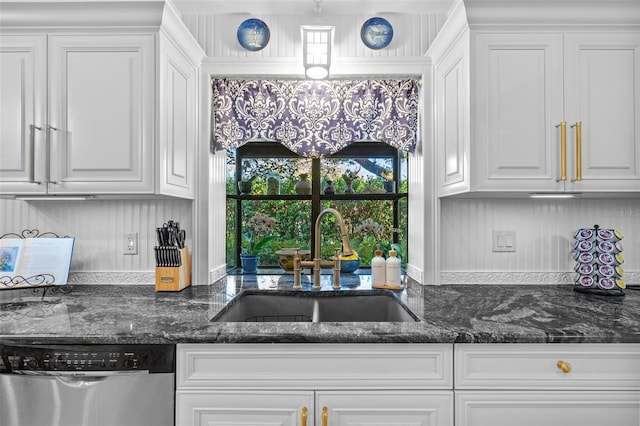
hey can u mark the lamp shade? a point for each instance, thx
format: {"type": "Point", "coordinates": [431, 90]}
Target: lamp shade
{"type": "Point", "coordinates": [316, 50]}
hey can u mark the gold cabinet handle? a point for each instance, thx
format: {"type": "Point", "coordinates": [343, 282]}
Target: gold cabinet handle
{"type": "Point", "coordinates": [578, 127]}
{"type": "Point", "coordinates": [563, 151]}
{"type": "Point", "coordinates": [564, 366]}
{"type": "Point", "coordinates": [303, 416]}
{"type": "Point", "coordinates": [325, 416]}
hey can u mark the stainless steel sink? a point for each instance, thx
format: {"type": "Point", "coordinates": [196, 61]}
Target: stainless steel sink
{"type": "Point", "coordinates": [315, 306]}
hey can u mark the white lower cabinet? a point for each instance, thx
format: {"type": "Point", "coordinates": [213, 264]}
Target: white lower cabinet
{"type": "Point", "coordinates": [314, 384]}
{"type": "Point", "coordinates": [550, 385]}
{"type": "Point", "coordinates": [408, 384]}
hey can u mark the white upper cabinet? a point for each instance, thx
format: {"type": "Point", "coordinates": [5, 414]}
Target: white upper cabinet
{"type": "Point", "coordinates": [107, 110]}
{"type": "Point", "coordinates": [100, 128]}
{"type": "Point", "coordinates": [177, 126]}
{"type": "Point", "coordinates": [537, 109]}
{"type": "Point", "coordinates": [517, 101]}
{"type": "Point", "coordinates": [602, 92]}
{"type": "Point", "coordinates": [23, 64]}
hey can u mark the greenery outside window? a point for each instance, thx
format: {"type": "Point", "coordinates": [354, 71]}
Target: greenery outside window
{"type": "Point", "coordinates": [370, 191]}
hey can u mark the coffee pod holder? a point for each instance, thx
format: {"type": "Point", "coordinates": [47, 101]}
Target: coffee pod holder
{"type": "Point", "coordinates": [598, 255]}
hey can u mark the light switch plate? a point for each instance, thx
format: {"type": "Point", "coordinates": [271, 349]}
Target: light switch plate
{"type": "Point", "coordinates": [504, 241]}
{"type": "Point", "coordinates": [131, 244]}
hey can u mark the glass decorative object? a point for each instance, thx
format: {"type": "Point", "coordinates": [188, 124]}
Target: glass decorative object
{"type": "Point", "coordinates": [303, 186]}
{"type": "Point", "coordinates": [273, 183]}
{"type": "Point", "coordinates": [329, 189]}
{"type": "Point", "coordinates": [349, 188]}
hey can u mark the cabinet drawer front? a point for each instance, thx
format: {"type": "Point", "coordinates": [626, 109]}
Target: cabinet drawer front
{"type": "Point", "coordinates": [564, 408]}
{"type": "Point", "coordinates": [321, 366]}
{"type": "Point", "coordinates": [524, 366]}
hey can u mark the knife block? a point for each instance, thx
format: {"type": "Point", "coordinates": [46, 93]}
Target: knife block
{"type": "Point", "coordinates": [175, 278]}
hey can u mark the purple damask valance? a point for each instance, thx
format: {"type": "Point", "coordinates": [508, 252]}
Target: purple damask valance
{"type": "Point", "coordinates": [315, 118]}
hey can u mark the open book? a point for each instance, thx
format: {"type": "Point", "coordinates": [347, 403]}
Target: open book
{"type": "Point", "coordinates": [32, 262]}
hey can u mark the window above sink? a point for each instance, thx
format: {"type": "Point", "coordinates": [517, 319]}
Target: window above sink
{"type": "Point", "coordinates": [360, 175]}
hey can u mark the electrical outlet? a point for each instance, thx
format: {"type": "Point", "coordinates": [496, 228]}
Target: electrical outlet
{"type": "Point", "coordinates": [504, 241]}
{"type": "Point", "coordinates": [131, 243]}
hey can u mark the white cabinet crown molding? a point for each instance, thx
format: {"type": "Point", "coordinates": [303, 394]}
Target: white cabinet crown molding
{"type": "Point", "coordinates": [516, 13]}
{"type": "Point", "coordinates": [173, 26]}
{"type": "Point", "coordinates": [108, 16]}
{"type": "Point", "coordinates": [91, 15]}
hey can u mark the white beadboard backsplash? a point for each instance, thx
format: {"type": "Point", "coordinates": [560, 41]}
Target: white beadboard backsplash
{"type": "Point", "coordinates": [544, 236]}
{"type": "Point", "coordinates": [99, 227]}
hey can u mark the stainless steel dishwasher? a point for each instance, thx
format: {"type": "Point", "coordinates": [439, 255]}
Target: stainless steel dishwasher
{"type": "Point", "coordinates": [87, 385]}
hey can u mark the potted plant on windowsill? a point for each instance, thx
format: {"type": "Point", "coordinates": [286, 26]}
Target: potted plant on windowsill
{"type": "Point", "coordinates": [349, 176]}
{"type": "Point", "coordinates": [254, 240]}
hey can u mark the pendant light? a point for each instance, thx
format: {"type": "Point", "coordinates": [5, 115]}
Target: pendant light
{"type": "Point", "coordinates": [317, 41]}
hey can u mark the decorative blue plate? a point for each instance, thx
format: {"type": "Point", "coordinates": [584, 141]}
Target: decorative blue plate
{"type": "Point", "coordinates": [376, 33]}
{"type": "Point", "coordinates": [253, 34]}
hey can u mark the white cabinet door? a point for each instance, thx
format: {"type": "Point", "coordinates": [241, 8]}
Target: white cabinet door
{"type": "Point", "coordinates": [244, 408]}
{"type": "Point", "coordinates": [177, 122]}
{"type": "Point", "coordinates": [452, 115]}
{"type": "Point", "coordinates": [521, 408]}
{"type": "Point", "coordinates": [602, 91]}
{"type": "Point", "coordinates": [23, 113]}
{"type": "Point", "coordinates": [352, 408]}
{"type": "Point", "coordinates": [101, 112]}
{"type": "Point", "coordinates": [516, 104]}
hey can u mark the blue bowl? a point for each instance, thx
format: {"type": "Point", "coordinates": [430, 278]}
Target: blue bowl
{"type": "Point", "coordinates": [349, 265]}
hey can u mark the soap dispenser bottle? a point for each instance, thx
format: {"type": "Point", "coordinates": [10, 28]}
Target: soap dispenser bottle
{"type": "Point", "coordinates": [378, 268]}
{"type": "Point", "coordinates": [393, 269]}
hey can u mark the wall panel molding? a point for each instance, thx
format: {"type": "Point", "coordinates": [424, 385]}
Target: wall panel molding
{"type": "Point", "coordinates": [113, 278]}
{"type": "Point", "coordinates": [520, 278]}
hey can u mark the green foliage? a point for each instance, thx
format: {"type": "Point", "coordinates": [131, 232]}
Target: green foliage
{"type": "Point", "coordinates": [294, 215]}
{"type": "Point", "coordinates": [256, 237]}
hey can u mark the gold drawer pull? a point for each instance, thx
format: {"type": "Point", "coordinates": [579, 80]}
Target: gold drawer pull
{"type": "Point", "coordinates": [325, 416]}
{"type": "Point", "coordinates": [303, 416]}
{"type": "Point", "coordinates": [564, 366]}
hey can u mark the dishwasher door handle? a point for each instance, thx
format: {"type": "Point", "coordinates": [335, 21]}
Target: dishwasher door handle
{"type": "Point", "coordinates": [80, 374]}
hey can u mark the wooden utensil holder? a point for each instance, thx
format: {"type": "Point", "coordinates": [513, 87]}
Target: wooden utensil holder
{"type": "Point", "coordinates": [175, 278]}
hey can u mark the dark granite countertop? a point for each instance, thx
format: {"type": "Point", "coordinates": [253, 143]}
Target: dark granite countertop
{"type": "Point", "coordinates": [92, 314]}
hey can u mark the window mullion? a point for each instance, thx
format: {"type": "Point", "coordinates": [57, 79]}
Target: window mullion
{"type": "Point", "coordinates": [315, 201]}
{"type": "Point", "coordinates": [396, 203]}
